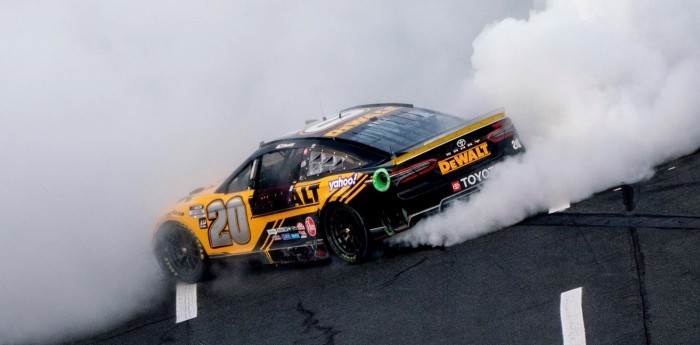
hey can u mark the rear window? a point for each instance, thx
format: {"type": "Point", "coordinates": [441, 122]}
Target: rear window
{"type": "Point", "coordinates": [397, 132]}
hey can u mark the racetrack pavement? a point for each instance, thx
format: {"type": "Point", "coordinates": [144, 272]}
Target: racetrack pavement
{"type": "Point", "coordinates": [633, 251]}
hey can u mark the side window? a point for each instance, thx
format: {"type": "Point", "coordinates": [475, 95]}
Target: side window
{"type": "Point", "coordinates": [242, 181]}
{"type": "Point", "coordinates": [280, 168]}
{"type": "Point", "coordinates": [278, 171]}
{"type": "Point", "coordinates": [324, 161]}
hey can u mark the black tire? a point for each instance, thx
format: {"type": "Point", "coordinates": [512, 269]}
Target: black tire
{"type": "Point", "coordinates": [181, 253]}
{"type": "Point", "coordinates": [346, 234]}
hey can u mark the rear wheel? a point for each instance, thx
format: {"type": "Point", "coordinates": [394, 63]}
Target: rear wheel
{"type": "Point", "coordinates": [346, 234]}
{"type": "Point", "coordinates": [181, 253]}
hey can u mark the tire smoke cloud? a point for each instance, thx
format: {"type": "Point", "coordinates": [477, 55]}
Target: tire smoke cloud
{"type": "Point", "coordinates": [600, 93]}
{"type": "Point", "coordinates": [111, 111]}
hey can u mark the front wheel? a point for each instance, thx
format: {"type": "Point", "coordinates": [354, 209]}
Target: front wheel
{"type": "Point", "coordinates": [346, 234]}
{"type": "Point", "coordinates": [180, 252]}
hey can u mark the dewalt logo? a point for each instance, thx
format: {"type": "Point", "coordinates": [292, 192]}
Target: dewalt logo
{"type": "Point", "coordinates": [464, 158]}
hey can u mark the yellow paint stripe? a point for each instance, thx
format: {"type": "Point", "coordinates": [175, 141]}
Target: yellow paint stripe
{"type": "Point", "coordinates": [272, 241]}
{"type": "Point", "coordinates": [335, 195]}
{"type": "Point", "coordinates": [451, 136]}
{"type": "Point", "coordinates": [348, 190]}
{"type": "Point", "coordinates": [338, 196]}
{"type": "Point", "coordinates": [355, 194]}
{"type": "Point", "coordinates": [351, 191]}
{"type": "Point", "coordinates": [269, 238]}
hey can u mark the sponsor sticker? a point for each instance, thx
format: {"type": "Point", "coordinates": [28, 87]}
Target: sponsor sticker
{"type": "Point", "coordinates": [203, 223]}
{"type": "Point", "coordinates": [456, 186]}
{"type": "Point", "coordinates": [342, 182]}
{"type": "Point", "coordinates": [295, 236]}
{"type": "Point", "coordinates": [302, 233]}
{"type": "Point", "coordinates": [272, 232]}
{"type": "Point", "coordinates": [300, 226]}
{"type": "Point", "coordinates": [461, 143]}
{"type": "Point", "coordinates": [286, 237]}
{"type": "Point", "coordinates": [304, 196]}
{"type": "Point", "coordinates": [464, 158]}
{"type": "Point", "coordinates": [277, 238]}
{"type": "Point", "coordinates": [476, 178]}
{"type": "Point", "coordinates": [284, 146]}
{"type": "Point", "coordinates": [310, 226]}
{"type": "Point", "coordinates": [197, 211]}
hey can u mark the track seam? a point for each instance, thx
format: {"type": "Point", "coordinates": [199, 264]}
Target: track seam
{"type": "Point", "coordinates": [641, 271]}
{"type": "Point", "coordinates": [614, 220]}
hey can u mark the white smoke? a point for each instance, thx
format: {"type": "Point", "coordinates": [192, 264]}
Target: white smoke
{"type": "Point", "coordinates": [600, 93]}
{"type": "Point", "coordinates": [111, 110]}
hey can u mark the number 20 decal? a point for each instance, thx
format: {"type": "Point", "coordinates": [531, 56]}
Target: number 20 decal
{"type": "Point", "coordinates": [229, 224]}
{"type": "Point", "coordinates": [516, 144]}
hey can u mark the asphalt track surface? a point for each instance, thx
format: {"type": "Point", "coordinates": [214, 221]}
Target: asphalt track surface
{"type": "Point", "coordinates": [635, 252]}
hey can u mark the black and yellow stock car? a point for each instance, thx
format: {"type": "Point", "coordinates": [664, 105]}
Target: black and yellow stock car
{"type": "Point", "coordinates": [340, 183]}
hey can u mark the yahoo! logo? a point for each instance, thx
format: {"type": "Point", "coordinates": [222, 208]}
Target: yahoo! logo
{"type": "Point", "coordinates": [342, 182]}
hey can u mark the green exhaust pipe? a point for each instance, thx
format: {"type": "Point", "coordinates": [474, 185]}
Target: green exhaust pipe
{"type": "Point", "coordinates": [381, 180]}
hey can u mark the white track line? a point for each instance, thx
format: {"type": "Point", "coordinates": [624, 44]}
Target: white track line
{"type": "Point", "coordinates": [559, 208]}
{"type": "Point", "coordinates": [185, 302]}
{"type": "Point", "coordinates": [572, 327]}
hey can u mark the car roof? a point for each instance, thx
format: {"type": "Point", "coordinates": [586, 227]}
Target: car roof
{"type": "Point", "coordinates": [389, 127]}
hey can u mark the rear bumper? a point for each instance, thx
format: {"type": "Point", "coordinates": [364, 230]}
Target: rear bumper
{"type": "Point", "coordinates": [387, 230]}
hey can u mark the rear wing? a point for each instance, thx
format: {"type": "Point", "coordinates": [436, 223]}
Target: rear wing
{"type": "Point", "coordinates": [451, 134]}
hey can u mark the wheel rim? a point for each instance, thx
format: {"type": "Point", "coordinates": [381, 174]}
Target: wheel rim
{"type": "Point", "coordinates": [346, 233]}
{"type": "Point", "coordinates": [182, 252]}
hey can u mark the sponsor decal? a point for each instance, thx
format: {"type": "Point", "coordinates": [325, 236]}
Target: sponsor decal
{"type": "Point", "coordinates": [302, 233]}
{"type": "Point", "coordinates": [300, 226]}
{"type": "Point", "coordinates": [475, 178]}
{"type": "Point", "coordinates": [310, 226]}
{"type": "Point", "coordinates": [277, 238]}
{"type": "Point", "coordinates": [282, 230]}
{"type": "Point", "coordinates": [197, 211]}
{"type": "Point", "coordinates": [176, 213]}
{"type": "Point", "coordinates": [342, 182]}
{"type": "Point", "coordinates": [271, 232]}
{"type": "Point", "coordinates": [462, 144]}
{"type": "Point", "coordinates": [284, 146]}
{"type": "Point", "coordinates": [286, 237]}
{"type": "Point", "coordinates": [456, 186]}
{"type": "Point", "coordinates": [464, 158]}
{"type": "Point", "coordinates": [305, 196]}
{"type": "Point", "coordinates": [295, 236]}
{"type": "Point", "coordinates": [203, 223]}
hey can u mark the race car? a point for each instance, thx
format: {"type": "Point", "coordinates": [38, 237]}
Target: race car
{"type": "Point", "coordinates": [338, 184]}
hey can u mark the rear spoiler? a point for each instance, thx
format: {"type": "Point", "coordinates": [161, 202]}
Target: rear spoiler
{"type": "Point", "coordinates": [451, 134]}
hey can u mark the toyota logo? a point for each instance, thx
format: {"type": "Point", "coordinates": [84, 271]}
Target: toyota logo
{"type": "Point", "coordinates": [461, 143]}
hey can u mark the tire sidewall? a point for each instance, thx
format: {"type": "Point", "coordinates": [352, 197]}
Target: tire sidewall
{"type": "Point", "coordinates": [365, 248]}
{"type": "Point", "coordinates": [202, 270]}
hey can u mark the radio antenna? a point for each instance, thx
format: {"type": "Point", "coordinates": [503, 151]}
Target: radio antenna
{"type": "Point", "coordinates": [322, 111]}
